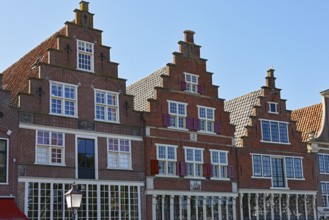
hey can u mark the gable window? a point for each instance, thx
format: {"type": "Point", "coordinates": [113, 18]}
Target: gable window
{"type": "Point", "coordinates": [274, 131]}
{"type": "Point", "coordinates": [3, 161]}
{"type": "Point", "coordinates": [219, 162]}
{"type": "Point", "coordinates": [177, 114]}
{"type": "Point", "coordinates": [63, 99]}
{"type": "Point", "coordinates": [119, 153]}
{"type": "Point", "coordinates": [191, 81]}
{"type": "Point", "coordinates": [273, 107]}
{"type": "Point", "coordinates": [206, 118]}
{"type": "Point", "coordinates": [324, 163]}
{"type": "Point", "coordinates": [167, 158]}
{"type": "Point", "coordinates": [278, 168]}
{"type": "Point", "coordinates": [325, 193]}
{"type": "Point", "coordinates": [106, 106]}
{"type": "Point", "coordinates": [85, 56]}
{"type": "Point", "coordinates": [194, 162]}
{"type": "Point", "coordinates": [49, 148]}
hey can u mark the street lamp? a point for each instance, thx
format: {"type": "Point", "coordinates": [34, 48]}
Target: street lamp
{"type": "Point", "coordinates": [73, 198]}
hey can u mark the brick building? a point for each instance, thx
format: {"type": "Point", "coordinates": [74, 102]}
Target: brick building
{"type": "Point", "coordinates": [313, 122]}
{"type": "Point", "coordinates": [276, 173]}
{"type": "Point", "coordinates": [189, 149]}
{"type": "Point", "coordinates": [8, 157]}
{"type": "Point", "coordinates": [76, 124]}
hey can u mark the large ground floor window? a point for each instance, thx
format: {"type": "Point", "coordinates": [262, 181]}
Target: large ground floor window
{"type": "Point", "coordinates": [100, 201]}
{"type": "Point", "coordinates": [179, 207]}
{"type": "Point", "coordinates": [277, 206]}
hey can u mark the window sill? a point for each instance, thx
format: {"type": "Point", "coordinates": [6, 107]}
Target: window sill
{"type": "Point", "coordinates": [48, 164]}
{"type": "Point", "coordinates": [297, 179]}
{"type": "Point", "coordinates": [276, 113]}
{"type": "Point", "coordinates": [261, 177]}
{"type": "Point", "coordinates": [283, 188]}
{"type": "Point", "coordinates": [166, 176]}
{"type": "Point", "coordinates": [4, 183]}
{"type": "Point", "coordinates": [113, 122]}
{"type": "Point", "coordinates": [84, 70]}
{"type": "Point", "coordinates": [207, 132]}
{"type": "Point", "coordinates": [118, 169]}
{"type": "Point", "coordinates": [219, 179]}
{"type": "Point", "coordinates": [61, 115]}
{"type": "Point", "coordinates": [195, 177]}
{"type": "Point", "coordinates": [271, 142]}
{"type": "Point", "coordinates": [180, 129]}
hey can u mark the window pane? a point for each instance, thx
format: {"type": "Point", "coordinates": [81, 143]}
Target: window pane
{"type": "Point", "coordinates": [198, 155]}
{"type": "Point", "coordinates": [162, 152]}
{"type": "Point", "coordinates": [56, 89]}
{"type": "Point", "coordinates": [289, 167]}
{"type": "Point", "coordinates": [181, 109]}
{"type": "Point", "coordinates": [283, 132]}
{"type": "Point", "coordinates": [275, 131]}
{"type": "Point", "coordinates": [69, 92]}
{"type": "Point", "coordinates": [298, 168]}
{"type": "Point", "coordinates": [266, 166]}
{"type": "Point", "coordinates": [321, 164]}
{"type": "Point", "coordinates": [326, 162]}
{"type": "Point", "coordinates": [172, 108]}
{"type": "Point", "coordinates": [171, 153]}
{"type": "Point", "coordinates": [202, 112]}
{"type": "Point", "coordinates": [215, 157]}
{"type": "Point", "coordinates": [266, 134]}
{"type": "Point", "coordinates": [257, 163]}
{"type": "Point", "coordinates": [100, 97]}
{"type": "Point", "coordinates": [189, 154]}
{"type": "Point", "coordinates": [223, 156]}
{"type": "Point", "coordinates": [43, 137]}
{"type": "Point", "coordinates": [210, 113]}
{"type": "Point", "coordinates": [113, 144]}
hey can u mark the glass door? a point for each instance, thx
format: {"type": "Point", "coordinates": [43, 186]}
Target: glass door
{"type": "Point", "coordinates": [86, 158]}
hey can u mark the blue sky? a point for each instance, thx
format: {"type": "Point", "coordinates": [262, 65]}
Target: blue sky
{"type": "Point", "coordinates": [241, 39]}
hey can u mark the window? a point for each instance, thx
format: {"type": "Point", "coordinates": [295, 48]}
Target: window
{"type": "Point", "coordinates": [85, 56]}
{"type": "Point", "coordinates": [206, 118]}
{"type": "Point", "coordinates": [219, 162]}
{"type": "Point", "coordinates": [273, 107]}
{"type": "Point", "coordinates": [50, 148]}
{"type": "Point", "coordinates": [3, 161]}
{"type": "Point", "coordinates": [119, 154]}
{"type": "Point", "coordinates": [325, 193]}
{"type": "Point", "coordinates": [166, 155]}
{"type": "Point", "coordinates": [106, 106]}
{"type": "Point", "coordinates": [63, 99]}
{"type": "Point", "coordinates": [278, 168]}
{"type": "Point", "coordinates": [194, 162]}
{"type": "Point", "coordinates": [274, 131]}
{"type": "Point", "coordinates": [191, 81]}
{"type": "Point", "coordinates": [177, 112]}
{"type": "Point", "coordinates": [324, 163]}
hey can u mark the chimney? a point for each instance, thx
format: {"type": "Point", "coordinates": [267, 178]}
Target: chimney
{"type": "Point", "coordinates": [270, 79]}
{"type": "Point", "coordinates": [189, 36]}
{"type": "Point", "coordinates": [83, 17]}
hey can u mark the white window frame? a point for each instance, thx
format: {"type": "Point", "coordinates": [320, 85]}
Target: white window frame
{"type": "Point", "coordinates": [294, 168]}
{"type": "Point", "coordinates": [191, 86]}
{"type": "Point", "coordinates": [49, 147]}
{"type": "Point", "coordinates": [107, 106]}
{"type": "Point", "coordinates": [166, 160]}
{"type": "Point", "coordinates": [270, 128]}
{"type": "Point", "coordinates": [85, 53]}
{"type": "Point", "coordinates": [63, 99]}
{"type": "Point", "coordinates": [194, 164]}
{"type": "Point", "coordinates": [7, 161]}
{"type": "Point", "coordinates": [219, 165]}
{"type": "Point", "coordinates": [176, 116]}
{"type": "Point", "coordinates": [324, 194]}
{"type": "Point", "coordinates": [324, 157]}
{"type": "Point", "coordinates": [118, 153]}
{"type": "Point", "coordinates": [206, 120]}
{"type": "Point", "coordinates": [270, 109]}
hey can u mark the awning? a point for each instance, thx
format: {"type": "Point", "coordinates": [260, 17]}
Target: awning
{"type": "Point", "coordinates": [9, 210]}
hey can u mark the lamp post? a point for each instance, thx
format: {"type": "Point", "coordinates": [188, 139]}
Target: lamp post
{"type": "Point", "coordinates": [73, 199]}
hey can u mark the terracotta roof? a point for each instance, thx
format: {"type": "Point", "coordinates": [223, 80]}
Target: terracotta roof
{"type": "Point", "coordinates": [15, 77]}
{"type": "Point", "coordinates": [240, 109]}
{"type": "Point", "coordinates": [308, 120]}
{"type": "Point", "coordinates": [144, 89]}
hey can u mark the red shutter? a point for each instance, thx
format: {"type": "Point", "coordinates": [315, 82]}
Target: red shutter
{"type": "Point", "coordinates": [230, 172]}
{"type": "Point", "coordinates": [207, 170]}
{"type": "Point", "coordinates": [181, 168]}
{"type": "Point", "coordinates": [200, 89]}
{"type": "Point", "coordinates": [189, 123]}
{"type": "Point", "coordinates": [154, 167]}
{"type": "Point", "coordinates": [165, 120]}
{"type": "Point", "coordinates": [195, 124]}
{"type": "Point", "coordinates": [183, 86]}
{"type": "Point", "coordinates": [217, 127]}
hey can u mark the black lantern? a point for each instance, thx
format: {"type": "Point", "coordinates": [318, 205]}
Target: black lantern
{"type": "Point", "coordinates": [73, 198]}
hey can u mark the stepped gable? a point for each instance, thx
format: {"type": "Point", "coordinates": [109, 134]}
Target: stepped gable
{"type": "Point", "coordinates": [144, 89]}
{"type": "Point", "coordinates": [308, 120]}
{"type": "Point", "coordinates": [15, 77]}
{"type": "Point", "coordinates": [241, 108]}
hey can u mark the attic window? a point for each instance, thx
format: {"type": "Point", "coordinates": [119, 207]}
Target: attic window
{"type": "Point", "coordinates": [85, 56]}
{"type": "Point", "coordinates": [191, 83]}
{"type": "Point", "coordinates": [273, 107]}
